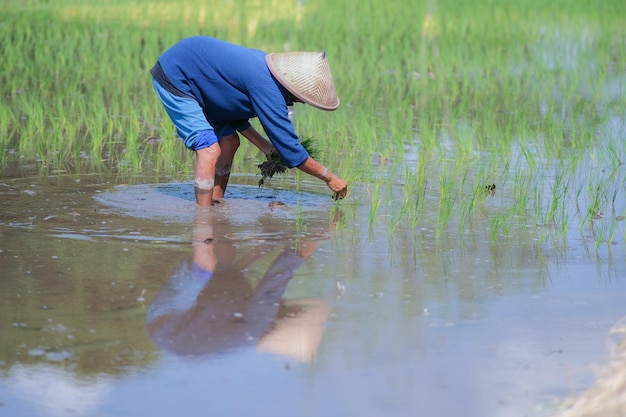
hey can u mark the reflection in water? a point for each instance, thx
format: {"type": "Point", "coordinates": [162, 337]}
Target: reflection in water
{"type": "Point", "coordinates": [464, 325]}
{"type": "Point", "coordinates": [56, 391]}
{"type": "Point", "coordinates": [73, 336]}
{"type": "Point", "coordinates": [210, 306]}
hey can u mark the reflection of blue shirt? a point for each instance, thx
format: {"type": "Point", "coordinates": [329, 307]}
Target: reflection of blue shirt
{"type": "Point", "coordinates": [233, 84]}
{"type": "Point", "coordinates": [181, 292]}
{"type": "Point", "coordinates": [192, 316]}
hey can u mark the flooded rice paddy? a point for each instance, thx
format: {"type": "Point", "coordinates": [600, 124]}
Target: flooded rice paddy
{"type": "Point", "coordinates": [124, 300]}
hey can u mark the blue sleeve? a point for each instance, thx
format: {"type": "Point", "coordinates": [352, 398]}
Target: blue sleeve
{"type": "Point", "coordinates": [271, 109]}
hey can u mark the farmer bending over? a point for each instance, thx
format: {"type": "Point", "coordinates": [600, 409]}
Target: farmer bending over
{"type": "Point", "coordinates": [211, 88]}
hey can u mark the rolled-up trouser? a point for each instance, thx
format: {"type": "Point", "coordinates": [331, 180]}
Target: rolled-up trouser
{"type": "Point", "coordinates": [188, 118]}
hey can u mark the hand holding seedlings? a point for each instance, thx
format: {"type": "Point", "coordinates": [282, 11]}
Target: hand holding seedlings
{"type": "Point", "coordinates": [275, 165]}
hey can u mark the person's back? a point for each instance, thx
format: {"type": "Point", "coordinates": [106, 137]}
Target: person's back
{"type": "Point", "coordinates": [218, 74]}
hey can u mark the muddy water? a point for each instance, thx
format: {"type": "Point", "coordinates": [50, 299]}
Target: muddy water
{"type": "Point", "coordinates": [127, 301]}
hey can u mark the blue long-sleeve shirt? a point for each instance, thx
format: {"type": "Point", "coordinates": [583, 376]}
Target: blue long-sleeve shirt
{"type": "Point", "coordinates": [233, 84]}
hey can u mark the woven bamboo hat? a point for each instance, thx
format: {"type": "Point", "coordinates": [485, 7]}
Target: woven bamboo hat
{"type": "Point", "coordinates": [306, 75]}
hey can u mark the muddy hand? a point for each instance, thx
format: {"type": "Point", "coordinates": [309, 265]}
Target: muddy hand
{"type": "Point", "coordinates": [340, 195]}
{"type": "Point", "coordinates": [273, 153]}
{"type": "Point", "coordinates": [339, 187]}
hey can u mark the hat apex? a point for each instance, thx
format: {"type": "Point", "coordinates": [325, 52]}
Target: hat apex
{"type": "Point", "coordinates": [306, 75]}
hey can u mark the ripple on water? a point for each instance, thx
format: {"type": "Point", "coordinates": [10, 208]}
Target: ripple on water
{"type": "Point", "coordinates": [175, 201]}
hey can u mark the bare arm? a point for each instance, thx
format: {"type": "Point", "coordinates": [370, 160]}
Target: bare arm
{"type": "Point", "coordinates": [336, 184]}
{"type": "Point", "coordinates": [310, 165]}
{"type": "Point", "coordinates": [257, 140]}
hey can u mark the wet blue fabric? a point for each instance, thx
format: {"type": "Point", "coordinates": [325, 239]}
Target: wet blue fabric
{"type": "Point", "coordinates": [232, 84]}
{"type": "Point", "coordinates": [188, 118]}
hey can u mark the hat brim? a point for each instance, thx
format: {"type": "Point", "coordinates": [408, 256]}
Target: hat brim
{"type": "Point", "coordinates": [307, 76]}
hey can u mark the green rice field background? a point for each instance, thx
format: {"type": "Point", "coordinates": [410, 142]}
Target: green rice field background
{"type": "Point", "coordinates": [524, 98]}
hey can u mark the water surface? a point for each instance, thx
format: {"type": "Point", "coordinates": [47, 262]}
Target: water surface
{"type": "Point", "coordinates": [126, 300]}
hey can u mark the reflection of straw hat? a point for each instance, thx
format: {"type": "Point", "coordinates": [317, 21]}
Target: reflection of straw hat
{"type": "Point", "coordinates": [306, 75]}
{"type": "Point", "coordinates": [297, 337]}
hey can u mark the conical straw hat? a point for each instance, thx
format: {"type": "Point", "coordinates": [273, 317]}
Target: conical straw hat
{"type": "Point", "coordinates": [306, 75]}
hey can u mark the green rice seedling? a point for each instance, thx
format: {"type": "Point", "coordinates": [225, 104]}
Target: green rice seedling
{"type": "Point", "coordinates": [521, 195]}
{"type": "Point", "coordinates": [411, 199]}
{"type": "Point", "coordinates": [446, 202]}
{"type": "Point", "coordinates": [556, 211]}
{"type": "Point", "coordinates": [300, 220]}
{"type": "Point", "coordinates": [600, 234]}
{"type": "Point", "coordinates": [597, 201]}
{"type": "Point", "coordinates": [419, 186]}
{"type": "Point", "coordinates": [500, 223]}
{"type": "Point", "coordinates": [612, 227]}
{"type": "Point", "coordinates": [275, 164]}
{"type": "Point", "coordinates": [374, 206]}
